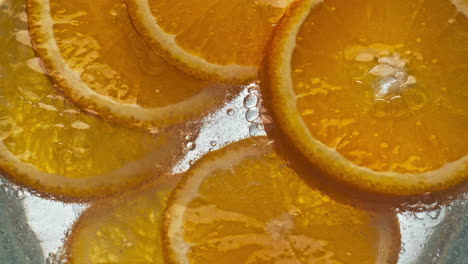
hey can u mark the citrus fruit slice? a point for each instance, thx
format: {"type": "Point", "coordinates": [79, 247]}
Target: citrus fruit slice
{"type": "Point", "coordinates": [363, 92]}
{"type": "Point", "coordinates": [48, 144]}
{"type": "Point", "coordinates": [121, 230]}
{"type": "Point", "coordinates": [101, 63]}
{"type": "Point", "coordinates": [214, 40]}
{"type": "Point", "coordinates": [243, 204]}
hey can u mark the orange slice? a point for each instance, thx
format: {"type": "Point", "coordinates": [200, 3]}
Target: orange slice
{"type": "Point", "coordinates": [122, 230]}
{"type": "Point", "coordinates": [243, 204]}
{"type": "Point", "coordinates": [101, 63]}
{"type": "Point", "coordinates": [214, 40]}
{"type": "Point", "coordinates": [48, 144]}
{"type": "Point", "coordinates": [373, 93]}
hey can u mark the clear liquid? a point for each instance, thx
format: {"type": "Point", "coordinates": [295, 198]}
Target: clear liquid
{"type": "Point", "coordinates": [33, 229]}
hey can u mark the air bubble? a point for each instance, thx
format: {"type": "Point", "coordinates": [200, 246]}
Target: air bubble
{"type": "Point", "coordinates": [253, 87]}
{"type": "Point", "coordinates": [191, 146]}
{"type": "Point", "coordinates": [254, 130]}
{"type": "Point", "coordinates": [434, 214]}
{"type": "Point", "coordinates": [252, 114]}
{"type": "Point", "coordinates": [419, 215]}
{"type": "Point", "coordinates": [250, 101]}
{"type": "Point", "coordinates": [213, 143]}
{"type": "Point", "coordinates": [20, 194]}
{"type": "Point", "coordinates": [231, 112]}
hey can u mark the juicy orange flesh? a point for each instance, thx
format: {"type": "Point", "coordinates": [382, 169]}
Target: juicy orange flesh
{"type": "Point", "coordinates": [411, 120]}
{"type": "Point", "coordinates": [101, 45]}
{"type": "Point", "coordinates": [260, 211]}
{"type": "Point", "coordinates": [127, 232]}
{"type": "Point", "coordinates": [42, 128]}
{"type": "Point", "coordinates": [220, 31]}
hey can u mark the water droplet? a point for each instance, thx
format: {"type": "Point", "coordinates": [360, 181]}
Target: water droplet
{"type": "Point", "coordinates": [252, 114]}
{"type": "Point", "coordinates": [213, 143]}
{"type": "Point", "coordinates": [250, 101]}
{"type": "Point", "coordinates": [231, 112]}
{"type": "Point", "coordinates": [191, 146]}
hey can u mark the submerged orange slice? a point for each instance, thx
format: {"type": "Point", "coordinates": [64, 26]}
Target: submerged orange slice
{"type": "Point", "coordinates": [214, 40]}
{"type": "Point", "coordinates": [122, 230]}
{"type": "Point", "coordinates": [243, 204]}
{"type": "Point", "coordinates": [49, 145]}
{"type": "Point", "coordinates": [101, 63]}
{"type": "Point", "coordinates": [374, 93]}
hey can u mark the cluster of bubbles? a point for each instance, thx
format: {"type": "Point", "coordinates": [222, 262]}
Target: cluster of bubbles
{"type": "Point", "coordinates": [425, 207]}
{"type": "Point", "coordinates": [190, 145]}
{"type": "Point", "coordinates": [253, 114]}
{"type": "Point", "coordinates": [422, 210]}
{"type": "Point", "coordinates": [57, 257]}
